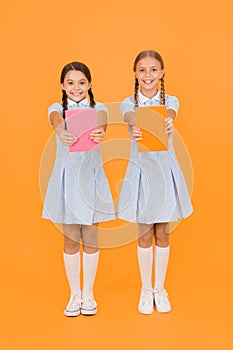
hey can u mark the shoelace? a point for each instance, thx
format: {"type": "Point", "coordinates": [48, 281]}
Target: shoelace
{"type": "Point", "coordinates": [88, 298]}
{"type": "Point", "coordinates": [146, 294]}
{"type": "Point", "coordinates": [75, 303]}
{"type": "Point", "coordinates": [161, 294]}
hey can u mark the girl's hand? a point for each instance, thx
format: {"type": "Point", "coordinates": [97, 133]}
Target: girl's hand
{"type": "Point", "coordinates": [136, 133]}
{"type": "Point", "coordinates": [169, 126]}
{"type": "Point", "coordinates": [97, 135]}
{"type": "Point", "coordinates": [66, 137]}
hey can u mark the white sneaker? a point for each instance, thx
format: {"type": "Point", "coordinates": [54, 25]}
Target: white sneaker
{"type": "Point", "coordinates": [146, 305]}
{"type": "Point", "coordinates": [73, 307]}
{"type": "Point", "coordinates": [89, 305]}
{"type": "Point", "coordinates": [161, 301]}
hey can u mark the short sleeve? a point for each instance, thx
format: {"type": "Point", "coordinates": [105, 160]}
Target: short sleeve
{"type": "Point", "coordinates": [172, 102]}
{"type": "Point", "coordinates": [55, 107]}
{"type": "Point", "coordinates": [127, 106]}
{"type": "Point", "coordinates": [100, 107]}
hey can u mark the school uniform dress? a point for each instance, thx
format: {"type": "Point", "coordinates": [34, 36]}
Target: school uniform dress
{"type": "Point", "coordinates": [154, 189]}
{"type": "Point", "coordinates": [78, 191]}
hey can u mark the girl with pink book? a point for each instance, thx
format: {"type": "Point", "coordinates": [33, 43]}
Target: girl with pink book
{"type": "Point", "coordinates": [78, 195]}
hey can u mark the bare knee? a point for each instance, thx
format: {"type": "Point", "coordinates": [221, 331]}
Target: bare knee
{"type": "Point", "coordinates": [161, 235]}
{"type": "Point", "coordinates": [90, 250]}
{"type": "Point", "coordinates": [146, 239]}
{"type": "Point", "coordinates": [70, 247]}
{"type": "Point", "coordinates": [72, 235]}
{"type": "Point", "coordinates": [90, 238]}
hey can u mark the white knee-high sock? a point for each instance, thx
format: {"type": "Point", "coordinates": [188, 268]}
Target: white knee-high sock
{"type": "Point", "coordinates": [90, 264]}
{"type": "Point", "coordinates": [72, 267]}
{"type": "Point", "coordinates": [145, 259]}
{"type": "Point", "coordinates": [161, 257]}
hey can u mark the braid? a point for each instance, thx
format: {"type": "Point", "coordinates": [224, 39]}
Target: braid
{"type": "Point", "coordinates": [162, 92]}
{"type": "Point", "coordinates": [92, 101]}
{"type": "Point", "coordinates": [136, 92]}
{"type": "Point", "coordinates": [64, 103]}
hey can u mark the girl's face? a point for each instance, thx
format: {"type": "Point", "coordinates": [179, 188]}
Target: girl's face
{"type": "Point", "coordinates": [76, 85]}
{"type": "Point", "coordinates": [148, 73]}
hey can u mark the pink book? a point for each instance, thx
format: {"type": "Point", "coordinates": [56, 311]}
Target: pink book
{"type": "Point", "coordinates": [81, 122]}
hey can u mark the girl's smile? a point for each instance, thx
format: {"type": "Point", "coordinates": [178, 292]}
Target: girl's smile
{"type": "Point", "coordinates": [148, 81]}
{"type": "Point", "coordinates": [76, 85]}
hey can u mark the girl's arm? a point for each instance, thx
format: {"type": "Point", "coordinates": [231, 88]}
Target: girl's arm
{"type": "Point", "coordinates": [58, 124]}
{"type": "Point", "coordinates": [98, 134]}
{"type": "Point", "coordinates": [130, 118]}
{"type": "Point", "coordinates": [171, 116]}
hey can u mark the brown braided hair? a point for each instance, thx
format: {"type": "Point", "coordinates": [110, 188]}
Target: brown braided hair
{"type": "Point", "coordinates": [157, 56]}
{"type": "Point", "coordinates": [91, 96]}
{"type": "Point", "coordinates": [136, 86]}
{"type": "Point", "coordinates": [64, 103]}
{"type": "Point", "coordinates": [85, 70]}
{"type": "Point", "coordinates": [162, 92]}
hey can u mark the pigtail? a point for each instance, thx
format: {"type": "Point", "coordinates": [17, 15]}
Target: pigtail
{"type": "Point", "coordinates": [64, 103]}
{"type": "Point", "coordinates": [136, 86]}
{"type": "Point", "coordinates": [91, 96]}
{"type": "Point", "coordinates": [162, 92]}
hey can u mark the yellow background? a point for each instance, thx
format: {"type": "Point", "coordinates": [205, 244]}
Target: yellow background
{"type": "Point", "coordinates": [195, 40]}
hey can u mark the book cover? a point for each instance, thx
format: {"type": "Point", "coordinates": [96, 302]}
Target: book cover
{"type": "Point", "coordinates": [81, 122]}
{"type": "Point", "coordinates": [151, 122]}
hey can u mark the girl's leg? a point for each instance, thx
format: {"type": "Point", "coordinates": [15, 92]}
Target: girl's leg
{"type": "Point", "coordinates": [161, 254]}
{"type": "Point", "coordinates": [72, 267]}
{"type": "Point", "coordinates": [145, 259]}
{"type": "Point", "coordinates": [145, 254]}
{"type": "Point", "coordinates": [90, 264]}
{"type": "Point", "coordinates": [161, 257]}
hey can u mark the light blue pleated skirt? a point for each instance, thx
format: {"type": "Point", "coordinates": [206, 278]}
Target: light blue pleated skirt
{"type": "Point", "coordinates": [78, 191]}
{"type": "Point", "coordinates": [154, 189]}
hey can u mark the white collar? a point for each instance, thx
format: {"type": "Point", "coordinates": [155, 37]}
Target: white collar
{"type": "Point", "coordinates": [143, 99]}
{"type": "Point", "coordinates": [84, 102]}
